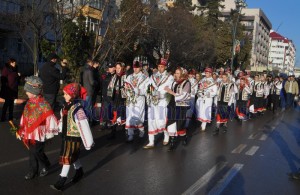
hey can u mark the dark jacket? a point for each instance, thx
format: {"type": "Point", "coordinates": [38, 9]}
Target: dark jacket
{"type": "Point", "coordinates": [105, 78]}
{"type": "Point", "coordinates": [50, 76]}
{"type": "Point", "coordinates": [88, 80]}
{"type": "Point", "coordinates": [97, 79]}
{"type": "Point", "coordinates": [9, 82]}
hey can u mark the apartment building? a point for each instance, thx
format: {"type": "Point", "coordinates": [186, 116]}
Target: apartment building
{"type": "Point", "coordinates": [282, 53]}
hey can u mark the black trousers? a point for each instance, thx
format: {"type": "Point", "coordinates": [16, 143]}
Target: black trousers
{"type": "Point", "coordinates": [275, 101]}
{"type": "Point", "coordinates": [37, 157]}
{"type": "Point", "coordinates": [9, 103]}
{"type": "Point", "coordinates": [51, 99]}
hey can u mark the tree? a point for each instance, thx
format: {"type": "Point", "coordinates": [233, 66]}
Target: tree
{"type": "Point", "coordinates": [184, 4]}
{"type": "Point", "coordinates": [124, 32]}
{"type": "Point", "coordinates": [76, 41]}
{"type": "Point", "coordinates": [213, 14]}
{"type": "Point", "coordinates": [32, 24]}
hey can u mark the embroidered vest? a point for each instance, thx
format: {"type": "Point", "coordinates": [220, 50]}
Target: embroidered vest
{"type": "Point", "coordinates": [227, 93]}
{"type": "Point", "coordinates": [179, 91]}
{"type": "Point", "coordinates": [274, 89]}
{"type": "Point", "coordinates": [258, 87]}
{"type": "Point", "coordinates": [72, 130]}
{"type": "Point", "coordinates": [245, 94]}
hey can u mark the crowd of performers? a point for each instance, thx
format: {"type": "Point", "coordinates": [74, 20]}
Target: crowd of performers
{"type": "Point", "coordinates": [168, 101]}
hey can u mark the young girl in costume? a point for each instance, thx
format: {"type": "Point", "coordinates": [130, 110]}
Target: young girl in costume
{"type": "Point", "coordinates": [38, 124]}
{"type": "Point", "coordinates": [75, 130]}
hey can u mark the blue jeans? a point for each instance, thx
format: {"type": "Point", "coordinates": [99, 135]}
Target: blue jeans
{"type": "Point", "coordinates": [290, 100]}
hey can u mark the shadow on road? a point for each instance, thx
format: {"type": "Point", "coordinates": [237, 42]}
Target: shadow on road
{"type": "Point", "coordinates": [223, 180]}
{"type": "Point", "coordinates": [290, 157]}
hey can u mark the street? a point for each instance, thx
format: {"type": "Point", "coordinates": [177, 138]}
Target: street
{"type": "Point", "coordinates": [253, 157]}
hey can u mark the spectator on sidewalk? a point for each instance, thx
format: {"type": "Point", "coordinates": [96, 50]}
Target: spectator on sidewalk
{"type": "Point", "coordinates": [9, 88]}
{"type": "Point", "coordinates": [51, 76]}
{"type": "Point", "coordinates": [89, 84]}
{"type": "Point", "coordinates": [292, 90]}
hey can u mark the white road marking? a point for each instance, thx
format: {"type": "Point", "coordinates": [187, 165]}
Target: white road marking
{"type": "Point", "coordinates": [204, 179]}
{"type": "Point", "coordinates": [239, 149]}
{"type": "Point", "coordinates": [24, 159]}
{"type": "Point", "coordinates": [221, 185]}
{"type": "Point", "coordinates": [252, 150]}
{"type": "Point", "coordinates": [263, 137]}
{"type": "Point", "coordinates": [253, 135]}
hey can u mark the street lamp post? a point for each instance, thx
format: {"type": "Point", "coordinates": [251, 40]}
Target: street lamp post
{"type": "Point", "coordinates": [240, 4]}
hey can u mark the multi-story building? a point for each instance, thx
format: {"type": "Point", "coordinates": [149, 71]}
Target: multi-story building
{"type": "Point", "coordinates": [257, 28]}
{"type": "Point", "coordinates": [22, 23]}
{"type": "Point", "coordinates": [282, 53]}
{"type": "Point", "coordinates": [11, 44]}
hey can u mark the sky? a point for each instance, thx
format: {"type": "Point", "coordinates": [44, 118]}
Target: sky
{"type": "Point", "coordinates": [285, 18]}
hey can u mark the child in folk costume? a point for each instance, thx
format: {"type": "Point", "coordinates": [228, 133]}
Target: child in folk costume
{"type": "Point", "coordinates": [38, 124]}
{"type": "Point", "coordinates": [116, 91]}
{"type": "Point", "coordinates": [75, 130]}
{"type": "Point", "coordinates": [194, 88]}
{"type": "Point", "coordinates": [158, 100]}
{"type": "Point", "coordinates": [135, 88]}
{"type": "Point", "coordinates": [225, 98]}
{"type": "Point", "coordinates": [178, 106]}
{"type": "Point", "coordinates": [206, 91]}
{"type": "Point", "coordinates": [243, 99]}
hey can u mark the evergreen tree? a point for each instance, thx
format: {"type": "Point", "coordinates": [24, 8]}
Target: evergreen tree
{"type": "Point", "coordinates": [76, 42]}
{"type": "Point", "coordinates": [213, 7]}
{"type": "Point", "coordinates": [185, 4]}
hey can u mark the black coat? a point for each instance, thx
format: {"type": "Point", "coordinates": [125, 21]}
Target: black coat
{"type": "Point", "coordinates": [9, 82]}
{"type": "Point", "coordinates": [51, 76]}
{"type": "Point", "coordinates": [88, 80]}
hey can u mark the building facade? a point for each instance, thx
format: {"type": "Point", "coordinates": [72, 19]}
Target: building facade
{"type": "Point", "coordinates": [257, 28]}
{"type": "Point", "coordinates": [282, 54]}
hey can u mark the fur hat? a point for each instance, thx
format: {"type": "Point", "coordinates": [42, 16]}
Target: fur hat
{"type": "Point", "coordinates": [33, 85]}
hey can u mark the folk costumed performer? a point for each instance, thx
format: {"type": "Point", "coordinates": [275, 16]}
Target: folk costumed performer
{"type": "Point", "coordinates": [206, 91]}
{"type": "Point", "coordinates": [158, 100]}
{"type": "Point", "coordinates": [225, 97]}
{"type": "Point", "coordinates": [178, 106]}
{"type": "Point", "coordinates": [38, 124]}
{"type": "Point", "coordinates": [135, 88]}
{"type": "Point", "coordinates": [275, 93]}
{"type": "Point", "coordinates": [116, 92]}
{"type": "Point", "coordinates": [243, 97]}
{"type": "Point", "coordinates": [194, 88]}
{"type": "Point", "coordinates": [75, 130]}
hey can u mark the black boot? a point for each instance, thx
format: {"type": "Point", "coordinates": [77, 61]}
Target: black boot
{"type": "Point", "coordinates": [30, 176]}
{"type": "Point", "coordinates": [172, 143]}
{"type": "Point", "coordinates": [185, 140]}
{"type": "Point", "coordinates": [216, 131]}
{"type": "Point", "coordinates": [78, 175]}
{"type": "Point", "coordinates": [112, 133]}
{"type": "Point", "coordinates": [59, 184]}
{"type": "Point", "coordinates": [224, 128]}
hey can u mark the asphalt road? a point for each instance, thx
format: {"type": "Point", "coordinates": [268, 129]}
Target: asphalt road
{"type": "Point", "coordinates": [253, 157]}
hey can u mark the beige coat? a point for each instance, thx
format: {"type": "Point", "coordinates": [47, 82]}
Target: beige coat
{"type": "Point", "coordinates": [295, 88]}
